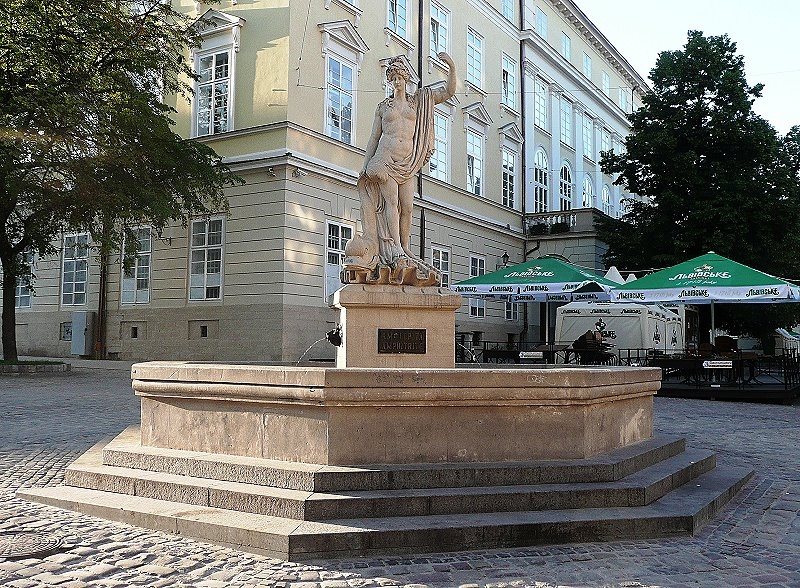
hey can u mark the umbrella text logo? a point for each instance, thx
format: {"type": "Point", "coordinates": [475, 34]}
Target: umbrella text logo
{"type": "Point", "coordinates": [762, 292]}
{"type": "Point", "coordinates": [694, 294]}
{"type": "Point", "coordinates": [704, 272]}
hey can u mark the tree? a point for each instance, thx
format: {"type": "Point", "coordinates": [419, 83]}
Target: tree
{"type": "Point", "coordinates": [711, 172]}
{"type": "Point", "coordinates": [86, 142]}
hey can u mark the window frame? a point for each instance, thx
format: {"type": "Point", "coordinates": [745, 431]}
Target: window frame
{"type": "Point", "coordinates": [338, 250]}
{"type": "Point", "coordinates": [474, 58]}
{"type": "Point", "coordinates": [438, 255]}
{"type": "Point", "coordinates": [541, 23]}
{"type": "Point", "coordinates": [477, 267]}
{"type": "Point", "coordinates": [566, 46]}
{"type": "Point", "coordinates": [441, 153]}
{"type": "Point", "coordinates": [509, 188]}
{"type": "Point", "coordinates": [405, 4]}
{"type": "Point", "coordinates": [22, 290]}
{"type": "Point", "coordinates": [606, 84]}
{"type": "Point", "coordinates": [206, 248]}
{"type": "Point", "coordinates": [508, 82]}
{"type": "Point", "coordinates": [541, 114]}
{"type": "Point", "coordinates": [507, 10]}
{"type": "Point", "coordinates": [75, 259]}
{"type": "Point", "coordinates": [474, 182]}
{"type": "Point", "coordinates": [135, 267]}
{"type": "Point", "coordinates": [565, 187]}
{"type": "Point", "coordinates": [566, 133]}
{"type": "Point", "coordinates": [587, 194]}
{"type": "Point", "coordinates": [587, 127]}
{"type": "Point", "coordinates": [587, 66]}
{"type": "Point", "coordinates": [541, 183]}
{"type": "Point", "coordinates": [333, 56]}
{"type": "Point", "coordinates": [608, 205]}
{"type": "Point", "coordinates": [441, 14]}
{"type": "Point", "coordinates": [213, 50]}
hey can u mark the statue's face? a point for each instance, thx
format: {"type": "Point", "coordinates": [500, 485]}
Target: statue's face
{"type": "Point", "coordinates": [398, 82]}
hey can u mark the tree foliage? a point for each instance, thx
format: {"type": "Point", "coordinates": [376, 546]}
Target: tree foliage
{"type": "Point", "coordinates": [713, 175]}
{"type": "Point", "coordinates": [86, 142]}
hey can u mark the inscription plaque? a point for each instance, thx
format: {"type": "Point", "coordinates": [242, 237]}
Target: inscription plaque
{"type": "Point", "coordinates": [402, 340]}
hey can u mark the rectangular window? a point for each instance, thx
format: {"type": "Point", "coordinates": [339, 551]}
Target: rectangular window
{"type": "Point", "coordinates": [606, 84]}
{"type": "Point", "coordinates": [398, 17]}
{"type": "Point", "coordinates": [605, 140]}
{"type": "Point", "coordinates": [213, 93]}
{"type": "Point", "coordinates": [477, 267]}
{"type": "Point", "coordinates": [512, 311]}
{"type": "Point", "coordinates": [438, 162]}
{"type": "Point", "coordinates": [623, 99]}
{"type": "Point", "coordinates": [509, 82]}
{"type": "Point", "coordinates": [509, 178]}
{"type": "Point", "coordinates": [205, 272]}
{"type": "Point", "coordinates": [566, 47]}
{"type": "Point", "coordinates": [508, 9]}
{"type": "Point", "coordinates": [136, 278]}
{"type": "Point", "coordinates": [588, 138]}
{"type": "Point", "coordinates": [474, 58]}
{"type": "Point", "coordinates": [566, 122]}
{"type": "Point", "coordinates": [75, 269]}
{"type": "Point", "coordinates": [540, 105]}
{"type": "Point", "coordinates": [22, 293]}
{"type": "Point", "coordinates": [441, 261]}
{"type": "Point", "coordinates": [439, 29]}
{"type": "Point", "coordinates": [541, 23]}
{"type": "Point", "coordinates": [587, 66]}
{"type": "Point", "coordinates": [338, 236]}
{"type": "Point", "coordinates": [474, 162]}
{"type": "Point", "coordinates": [339, 97]}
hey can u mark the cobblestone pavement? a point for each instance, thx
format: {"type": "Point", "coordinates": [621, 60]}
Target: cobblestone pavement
{"type": "Point", "coordinates": [46, 421]}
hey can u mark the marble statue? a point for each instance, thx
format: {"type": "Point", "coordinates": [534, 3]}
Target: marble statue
{"type": "Point", "coordinates": [402, 141]}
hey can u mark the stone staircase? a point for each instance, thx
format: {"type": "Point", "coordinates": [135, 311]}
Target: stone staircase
{"type": "Point", "coordinates": [300, 511]}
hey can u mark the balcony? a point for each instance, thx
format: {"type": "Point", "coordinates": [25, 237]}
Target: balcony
{"type": "Point", "coordinates": [577, 220]}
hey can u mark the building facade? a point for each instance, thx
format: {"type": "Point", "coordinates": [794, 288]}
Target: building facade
{"type": "Point", "coordinates": [287, 94]}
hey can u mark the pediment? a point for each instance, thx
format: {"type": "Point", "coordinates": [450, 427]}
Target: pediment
{"type": "Point", "coordinates": [477, 112]}
{"type": "Point", "coordinates": [344, 33]}
{"type": "Point", "coordinates": [441, 85]}
{"type": "Point", "coordinates": [213, 21]}
{"type": "Point", "coordinates": [512, 132]}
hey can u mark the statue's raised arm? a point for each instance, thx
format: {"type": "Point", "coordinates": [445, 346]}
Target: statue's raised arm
{"type": "Point", "coordinates": [442, 94]}
{"type": "Point", "coordinates": [401, 142]}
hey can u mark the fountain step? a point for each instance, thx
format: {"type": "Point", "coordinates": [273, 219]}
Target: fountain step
{"type": "Point", "coordinates": [681, 511]}
{"type": "Point", "coordinates": [126, 451]}
{"type": "Point", "coordinates": [637, 489]}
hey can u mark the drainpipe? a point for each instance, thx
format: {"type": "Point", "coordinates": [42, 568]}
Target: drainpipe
{"type": "Point", "coordinates": [420, 24]}
{"type": "Point", "coordinates": [523, 175]}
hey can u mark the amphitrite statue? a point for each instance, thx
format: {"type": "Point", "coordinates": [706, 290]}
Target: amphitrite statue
{"type": "Point", "coordinates": [402, 141]}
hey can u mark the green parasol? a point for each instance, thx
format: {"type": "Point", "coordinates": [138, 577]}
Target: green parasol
{"type": "Point", "coordinates": [707, 279]}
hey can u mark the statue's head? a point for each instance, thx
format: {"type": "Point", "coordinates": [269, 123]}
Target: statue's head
{"type": "Point", "coordinates": [397, 68]}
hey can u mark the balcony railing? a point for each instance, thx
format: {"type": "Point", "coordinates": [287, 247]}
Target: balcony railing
{"type": "Point", "coordinates": [561, 221]}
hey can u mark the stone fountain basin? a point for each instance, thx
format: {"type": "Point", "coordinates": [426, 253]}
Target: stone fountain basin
{"type": "Point", "coordinates": [359, 416]}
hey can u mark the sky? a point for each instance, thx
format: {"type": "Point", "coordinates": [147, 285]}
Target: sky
{"type": "Point", "coordinates": [765, 33]}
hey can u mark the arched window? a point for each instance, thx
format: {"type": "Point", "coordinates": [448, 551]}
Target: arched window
{"type": "Point", "coordinates": [540, 181]}
{"type": "Point", "coordinates": [565, 188]}
{"type": "Point", "coordinates": [606, 197]}
{"type": "Point", "coordinates": [588, 193]}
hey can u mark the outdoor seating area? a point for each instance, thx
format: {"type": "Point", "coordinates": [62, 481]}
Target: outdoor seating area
{"type": "Point", "coordinates": [719, 371]}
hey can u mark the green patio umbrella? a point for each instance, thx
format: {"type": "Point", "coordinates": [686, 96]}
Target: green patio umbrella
{"type": "Point", "coordinates": [707, 279]}
{"type": "Point", "coordinates": [545, 279]}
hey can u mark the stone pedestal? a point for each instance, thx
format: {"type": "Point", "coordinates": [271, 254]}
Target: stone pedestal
{"type": "Point", "coordinates": [396, 326]}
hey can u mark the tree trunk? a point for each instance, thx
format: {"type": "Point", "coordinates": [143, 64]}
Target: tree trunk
{"type": "Point", "coordinates": [9, 317]}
